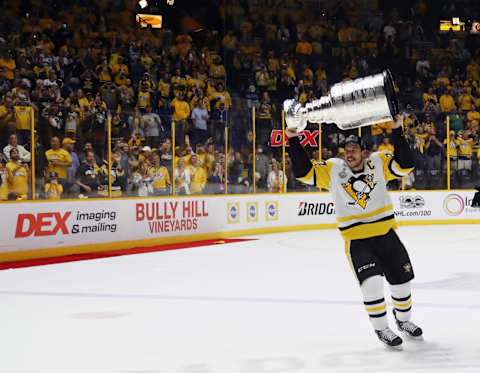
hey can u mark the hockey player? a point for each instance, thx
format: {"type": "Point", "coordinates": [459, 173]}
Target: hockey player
{"type": "Point", "coordinates": [366, 221]}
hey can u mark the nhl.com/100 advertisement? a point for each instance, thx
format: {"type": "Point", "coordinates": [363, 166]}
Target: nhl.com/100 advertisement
{"type": "Point", "coordinates": [433, 205]}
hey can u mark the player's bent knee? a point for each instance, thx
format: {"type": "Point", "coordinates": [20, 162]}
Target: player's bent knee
{"type": "Point", "coordinates": [372, 288]}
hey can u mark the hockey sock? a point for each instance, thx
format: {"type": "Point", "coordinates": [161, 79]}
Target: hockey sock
{"type": "Point", "coordinates": [374, 301]}
{"type": "Point", "coordinates": [402, 301]}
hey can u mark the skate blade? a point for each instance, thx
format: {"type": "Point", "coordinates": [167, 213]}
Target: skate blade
{"type": "Point", "coordinates": [413, 338]}
{"type": "Point", "coordinates": [394, 348]}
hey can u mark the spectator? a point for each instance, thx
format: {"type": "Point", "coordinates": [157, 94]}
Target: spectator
{"type": "Point", "coordinates": [24, 119]}
{"type": "Point", "coordinates": [181, 177]}
{"type": "Point", "coordinates": [447, 102]}
{"type": "Point", "coordinates": [70, 188]}
{"type": "Point", "coordinates": [98, 125]}
{"type": "Point", "coordinates": [7, 63]}
{"type": "Point", "coordinates": [423, 68]}
{"type": "Point", "coordinates": [217, 70]}
{"type": "Point", "coordinates": [109, 95]}
{"type": "Point", "coordinates": [389, 32]}
{"type": "Point", "coordinates": [181, 113]}
{"type": "Point", "coordinates": [219, 96]}
{"type": "Point", "coordinates": [303, 48]}
{"type": "Point", "coordinates": [53, 116]}
{"type": "Point", "coordinates": [386, 146]}
{"type": "Point", "coordinates": [465, 152]}
{"type": "Point", "coordinates": [198, 176]}
{"type": "Point", "coordinates": [420, 162]}
{"type": "Point", "coordinates": [3, 179]}
{"type": "Point", "coordinates": [261, 167]}
{"type": "Point", "coordinates": [216, 181]}
{"type": "Point", "coordinates": [431, 108]}
{"type": "Point", "coordinates": [421, 134]}
{"type": "Point", "coordinates": [58, 160]}
{"type": "Point", "coordinates": [123, 150]}
{"type": "Point", "coordinates": [144, 97]}
{"type": "Point", "coordinates": [283, 36]}
{"type": "Point", "coordinates": [161, 177]}
{"type": "Point", "coordinates": [452, 143]}
{"type": "Point", "coordinates": [430, 95]}
{"type": "Point", "coordinates": [238, 173]}
{"type": "Point", "coordinates": [416, 96]}
{"type": "Point", "coordinates": [88, 177]}
{"type": "Point", "coordinates": [473, 116]}
{"type": "Point", "coordinates": [473, 71]}
{"type": "Point", "coordinates": [120, 71]}
{"type": "Point", "coordinates": [126, 97]}
{"type": "Point", "coordinates": [220, 120]}
{"type": "Point", "coordinates": [53, 190]}
{"type": "Point", "coordinates": [443, 78]}
{"type": "Point", "coordinates": [118, 174]}
{"type": "Point", "coordinates": [7, 114]}
{"type": "Point", "coordinates": [199, 97]}
{"type": "Point", "coordinates": [18, 175]}
{"type": "Point", "coordinates": [433, 149]}
{"type": "Point", "coordinates": [142, 180]}
{"type": "Point", "coordinates": [456, 120]}
{"type": "Point", "coordinates": [89, 147]}
{"type": "Point", "coordinates": [24, 154]}
{"type": "Point", "coordinates": [151, 125]}
{"type": "Point", "coordinates": [465, 101]}
{"type": "Point", "coordinates": [71, 120]}
{"type": "Point", "coordinates": [252, 97]}
{"type": "Point", "coordinates": [275, 179]}
{"type": "Point", "coordinates": [166, 154]}
{"type": "Point", "coordinates": [264, 120]}
{"type": "Point", "coordinates": [262, 78]}
{"type": "Point", "coordinates": [199, 118]}
{"type": "Point", "coordinates": [119, 128]}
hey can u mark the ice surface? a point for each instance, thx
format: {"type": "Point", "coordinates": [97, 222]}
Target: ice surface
{"type": "Point", "coordinates": [286, 302]}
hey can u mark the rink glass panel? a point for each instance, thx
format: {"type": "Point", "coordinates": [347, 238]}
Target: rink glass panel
{"type": "Point", "coordinates": [242, 158]}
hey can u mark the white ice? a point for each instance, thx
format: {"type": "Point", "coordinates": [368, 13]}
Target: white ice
{"type": "Point", "coordinates": [286, 302]}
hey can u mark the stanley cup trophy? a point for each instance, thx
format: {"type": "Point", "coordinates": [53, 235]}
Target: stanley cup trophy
{"type": "Point", "coordinates": [351, 104]}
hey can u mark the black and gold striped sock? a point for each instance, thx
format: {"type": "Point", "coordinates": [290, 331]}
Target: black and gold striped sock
{"type": "Point", "coordinates": [403, 307]}
{"type": "Point", "coordinates": [377, 311]}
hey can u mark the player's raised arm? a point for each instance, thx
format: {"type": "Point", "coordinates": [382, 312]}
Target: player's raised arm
{"type": "Point", "coordinates": [403, 162]}
{"type": "Point", "coordinates": [300, 161]}
{"type": "Point", "coordinates": [316, 173]}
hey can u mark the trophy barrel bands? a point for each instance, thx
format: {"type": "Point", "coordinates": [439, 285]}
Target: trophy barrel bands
{"type": "Point", "coordinates": [320, 111]}
{"type": "Point", "coordinates": [356, 103]}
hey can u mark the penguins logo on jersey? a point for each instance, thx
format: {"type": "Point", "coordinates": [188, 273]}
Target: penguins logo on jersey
{"type": "Point", "coordinates": [359, 188]}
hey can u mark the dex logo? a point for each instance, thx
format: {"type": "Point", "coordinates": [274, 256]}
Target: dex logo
{"type": "Point", "coordinates": [42, 224]}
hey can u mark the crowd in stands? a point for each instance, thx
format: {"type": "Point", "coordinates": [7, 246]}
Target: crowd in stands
{"type": "Point", "coordinates": [172, 96]}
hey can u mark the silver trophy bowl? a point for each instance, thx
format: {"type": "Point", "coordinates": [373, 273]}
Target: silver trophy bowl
{"type": "Point", "coordinates": [351, 104]}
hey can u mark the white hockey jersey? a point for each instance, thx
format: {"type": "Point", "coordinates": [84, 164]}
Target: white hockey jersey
{"type": "Point", "coordinates": [362, 203]}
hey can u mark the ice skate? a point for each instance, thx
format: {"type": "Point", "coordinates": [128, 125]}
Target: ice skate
{"type": "Point", "coordinates": [388, 337]}
{"type": "Point", "coordinates": [408, 327]}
